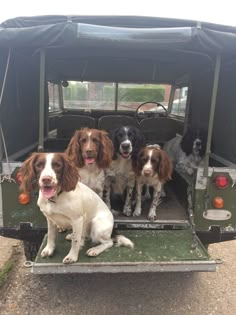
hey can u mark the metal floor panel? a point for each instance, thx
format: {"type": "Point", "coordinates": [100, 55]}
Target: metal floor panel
{"type": "Point", "coordinates": [154, 251]}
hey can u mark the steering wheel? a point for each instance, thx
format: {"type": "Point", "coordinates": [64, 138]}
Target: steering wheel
{"type": "Point", "coordinates": [141, 115]}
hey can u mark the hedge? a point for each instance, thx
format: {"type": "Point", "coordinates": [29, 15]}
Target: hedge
{"type": "Point", "coordinates": [126, 94]}
{"type": "Point", "coordinates": [136, 94]}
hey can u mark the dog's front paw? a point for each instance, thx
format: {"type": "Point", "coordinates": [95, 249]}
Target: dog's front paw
{"type": "Point", "coordinates": [47, 251]}
{"type": "Point", "coordinates": [70, 259]}
{"type": "Point", "coordinates": [137, 212]}
{"type": "Point", "coordinates": [152, 215]}
{"type": "Point", "coordinates": [190, 171]}
{"type": "Point", "coordinates": [127, 211]}
{"type": "Point", "coordinates": [92, 252]}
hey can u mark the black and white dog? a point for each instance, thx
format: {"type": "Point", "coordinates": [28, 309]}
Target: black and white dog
{"type": "Point", "coordinates": [120, 176]}
{"type": "Point", "coordinates": [188, 151]}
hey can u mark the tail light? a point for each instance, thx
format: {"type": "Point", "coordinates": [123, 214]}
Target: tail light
{"type": "Point", "coordinates": [218, 202]}
{"type": "Point", "coordinates": [221, 181]}
{"type": "Point", "coordinates": [24, 198]}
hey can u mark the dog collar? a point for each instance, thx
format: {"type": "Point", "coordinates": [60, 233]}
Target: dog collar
{"type": "Point", "coordinates": [51, 199]}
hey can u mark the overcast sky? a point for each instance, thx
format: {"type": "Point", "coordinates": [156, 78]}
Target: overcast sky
{"type": "Point", "coordinates": [216, 11]}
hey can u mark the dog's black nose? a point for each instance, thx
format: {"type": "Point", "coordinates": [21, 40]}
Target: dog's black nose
{"type": "Point", "coordinates": [125, 146]}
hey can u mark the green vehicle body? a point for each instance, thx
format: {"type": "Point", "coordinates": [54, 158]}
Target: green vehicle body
{"type": "Point", "coordinates": [200, 56]}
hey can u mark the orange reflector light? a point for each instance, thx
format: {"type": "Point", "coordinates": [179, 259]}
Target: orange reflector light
{"type": "Point", "coordinates": [218, 202]}
{"type": "Point", "coordinates": [24, 198]}
{"type": "Point", "coordinates": [18, 178]}
{"type": "Point", "coordinates": [221, 181]}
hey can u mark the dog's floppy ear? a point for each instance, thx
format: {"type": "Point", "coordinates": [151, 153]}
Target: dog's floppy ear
{"type": "Point", "coordinates": [113, 137]}
{"type": "Point", "coordinates": [70, 175]}
{"type": "Point", "coordinates": [165, 167]}
{"type": "Point", "coordinates": [137, 165]}
{"type": "Point", "coordinates": [203, 137]}
{"type": "Point", "coordinates": [187, 142]}
{"type": "Point", "coordinates": [139, 142]}
{"type": "Point", "coordinates": [106, 151]}
{"type": "Point", "coordinates": [73, 150]}
{"type": "Point", "coordinates": [29, 177]}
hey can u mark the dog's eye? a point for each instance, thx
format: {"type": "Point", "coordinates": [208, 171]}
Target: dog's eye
{"type": "Point", "coordinates": [83, 140]}
{"type": "Point", "coordinates": [95, 140]}
{"type": "Point", "coordinates": [39, 164]}
{"type": "Point", "coordinates": [144, 160]}
{"type": "Point", "coordinates": [56, 164]}
{"type": "Point", "coordinates": [153, 161]}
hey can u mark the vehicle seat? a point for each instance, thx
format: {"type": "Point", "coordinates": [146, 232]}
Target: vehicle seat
{"type": "Point", "coordinates": [110, 122]}
{"type": "Point", "coordinates": [160, 129]}
{"type": "Point", "coordinates": [67, 124]}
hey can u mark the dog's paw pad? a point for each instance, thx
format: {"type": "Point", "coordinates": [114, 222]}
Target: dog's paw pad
{"type": "Point", "coordinates": [69, 259]}
{"type": "Point", "coordinates": [92, 252]}
{"type": "Point", "coordinates": [137, 213]}
{"type": "Point", "coordinates": [152, 216]}
{"type": "Point", "coordinates": [46, 252]}
{"type": "Point", "coordinates": [127, 212]}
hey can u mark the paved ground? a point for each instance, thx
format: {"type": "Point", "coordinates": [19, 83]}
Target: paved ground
{"type": "Point", "coordinates": [127, 294]}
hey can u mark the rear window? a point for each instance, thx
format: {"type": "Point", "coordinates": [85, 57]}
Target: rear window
{"type": "Point", "coordinates": [103, 95]}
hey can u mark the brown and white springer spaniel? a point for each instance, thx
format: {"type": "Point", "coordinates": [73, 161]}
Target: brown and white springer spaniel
{"type": "Point", "coordinates": [68, 203]}
{"type": "Point", "coordinates": [153, 169]}
{"type": "Point", "coordinates": [91, 150]}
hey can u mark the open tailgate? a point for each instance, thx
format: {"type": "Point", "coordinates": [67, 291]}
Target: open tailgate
{"type": "Point", "coordinates": [154, 251]}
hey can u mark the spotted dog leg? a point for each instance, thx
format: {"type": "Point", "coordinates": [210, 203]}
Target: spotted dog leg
{"type": "Point", "coordinates": [127, 207]}
{"type": "Point", "coordinates": [138, 207]}
{"type": "Point", "coordinates": [107, 193]}
{"type": "Point", "coordinates": [155, 203]}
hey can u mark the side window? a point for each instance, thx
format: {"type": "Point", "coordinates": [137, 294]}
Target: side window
{"type": "Point", "coordinates": [53, 94]}
{"type": "Point", "coordinates": [179, 102]}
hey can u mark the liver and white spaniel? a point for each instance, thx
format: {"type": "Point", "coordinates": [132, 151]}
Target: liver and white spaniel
{"type": "Point", "coordinates": [91, 150]}
{"type": "Point", "coordinates": [68, 203]}
{"type": "Point", "coordinates": [187, 152]}
{"type": "Point", "coordinates": [120, 176]}
{"type": "Point", "coordinates": [153, 169]}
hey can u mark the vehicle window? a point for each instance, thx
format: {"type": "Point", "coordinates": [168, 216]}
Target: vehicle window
{"type": "Point", "coordinates": [89, 95]}
{"type": "Point", "coordinates": [102, 95]}
{"type": "Point", "coordinates": [130, 96]}
{"type": "Point", "coordinates": [180, 100]}
{"type": "Point", "coordinates": [53, 97]}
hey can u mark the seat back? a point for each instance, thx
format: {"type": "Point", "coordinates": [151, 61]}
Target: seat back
{"type": "Point", "coordinates": [67, 124]}
{"type": "Point", "coordinates": [115, 121]}
{"type": "Point", "coordinates": [160, 129]}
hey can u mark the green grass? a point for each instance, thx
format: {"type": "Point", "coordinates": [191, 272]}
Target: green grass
{"type": "Point", "coordinates": [5, 272]}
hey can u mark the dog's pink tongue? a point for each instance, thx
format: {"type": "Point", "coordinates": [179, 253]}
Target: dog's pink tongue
{"type": "Point", "coordinates": [90, 160]}
{"type": "Point", "coordinates": [125, 155]}
{"type": "Point", "coordinates": [48, 192]}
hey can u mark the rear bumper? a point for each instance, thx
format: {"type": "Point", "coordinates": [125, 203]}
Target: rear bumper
{"type": "Point", "coordinates": [216, 235]}
{"type": "Point", "coordinates": [24, 232]}
{"type": "Point", "coordinates": [177, 266]}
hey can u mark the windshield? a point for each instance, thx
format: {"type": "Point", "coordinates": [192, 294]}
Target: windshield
{"type": "Point", "coordinates": [103, 95]}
